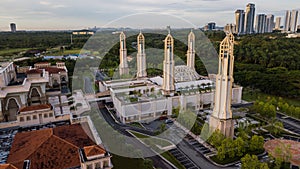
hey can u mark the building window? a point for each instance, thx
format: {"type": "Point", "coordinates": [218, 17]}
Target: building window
{"type": "Point", "coordinates": [34, 117]}
{"type": "Point", "coordinates": [22, 119]}
{"type": "Point", "coordinates": [28, 118]}
{"type": "Point", "coordinates": [45, 115]}
{"type": "Point", "coordinates": [50, 114]}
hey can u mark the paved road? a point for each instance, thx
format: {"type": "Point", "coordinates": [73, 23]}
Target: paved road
{"type": "Point", "coordinates": [189, 151]}
{"type": "Point", "coordinates": [157, 160]}
{"type": "Point", "coordinates": [88, 86]}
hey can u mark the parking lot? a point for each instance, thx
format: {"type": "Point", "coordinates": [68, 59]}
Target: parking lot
{"type": "Point", "coordinates": [196, 145]}
{"type": "Point", "coordinates": [183, 159]}
{"type": "Point", "coordinates": [6, 138]}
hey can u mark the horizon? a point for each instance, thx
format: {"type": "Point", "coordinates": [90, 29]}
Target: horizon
{"type": "Point", "coordinates": [49, 15]}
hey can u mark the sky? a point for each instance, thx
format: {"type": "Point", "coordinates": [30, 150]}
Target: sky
{"type": "Point", "coordinates": [81, 14]}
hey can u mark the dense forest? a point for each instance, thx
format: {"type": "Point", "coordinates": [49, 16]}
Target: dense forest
{"type": "Point", "coordinates": [268, 62]}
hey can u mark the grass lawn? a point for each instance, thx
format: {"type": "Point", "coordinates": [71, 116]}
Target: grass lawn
{"type": "Point", "coordinates": [167, 155]}
{"type": "Point", "coordinates": [248, 95]}
{"type": "Point", "coordinates": [11, 52]}
{"type": "Point", "coordinates": [56, 52]}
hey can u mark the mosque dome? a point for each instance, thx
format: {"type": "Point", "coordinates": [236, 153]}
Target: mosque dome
{"type": "Point", "coordinates": [184, 73]}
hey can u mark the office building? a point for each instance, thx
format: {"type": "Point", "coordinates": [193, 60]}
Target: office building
{"type": "Point", "coordinates": [249, 18]}
{"type": "Point", "coordinates": [13, 27]}
{"type": "Point", "coordinates": [291, 21]}
{"type": "Point", "coordinates": [239, 21]}
{"type": "Point", "coordinates": [260, 23]}
{"type": "Point", "coordinates": [278, 23]}
{"type": "Point", "coordinates": [269, 23]}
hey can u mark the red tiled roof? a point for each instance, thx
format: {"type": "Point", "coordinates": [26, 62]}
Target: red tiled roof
{"type": "Point", "coordinates": [35, 107]}
{"type": "Point", "coordinates": [7, 166]}
{"type": "Point", "coordinates": [34, 71]}
{"type": "Point", "coordinates": [55, 70]}
{"type": "Point", "coordinates": [75, 135]}
{"type": "Point", "coordinates": [294, 149]}
{"type": "Point", "coordinates": [55, 148]}
{"type": "Point", "coordinates": [93, 150]}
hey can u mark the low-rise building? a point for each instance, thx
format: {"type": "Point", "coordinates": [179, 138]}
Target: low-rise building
{"type": "Point", "coordinates": [68, 146]}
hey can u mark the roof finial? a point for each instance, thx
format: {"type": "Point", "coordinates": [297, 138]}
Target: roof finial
{"type": "Point", "coordinates": [169, 29]}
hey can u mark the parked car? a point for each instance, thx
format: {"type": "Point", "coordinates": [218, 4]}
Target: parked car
{"type": "Point", "coordinates": [168, 121]}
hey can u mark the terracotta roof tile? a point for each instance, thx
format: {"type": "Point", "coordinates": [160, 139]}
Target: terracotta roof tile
{"type": "Point", "coordinates": [93, 150]}
{"type": "Point", "coordinates": [55, 70]}
{"type": "Point", "coordinates": [35, 107]}
{"type": "Point", "coordinates": [34, 71]}
{"type": "Point", "coordinates": [26, 143]}
{"type": "Point", "coordinates": [55, 148]}
{"type": "Point", "coordinates": [55, 153]}
{"type": "Point", "coordinates": [7, 166]}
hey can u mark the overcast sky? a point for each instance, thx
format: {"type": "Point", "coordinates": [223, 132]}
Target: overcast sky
{"type": "Point", "coordinates": [79, 14]}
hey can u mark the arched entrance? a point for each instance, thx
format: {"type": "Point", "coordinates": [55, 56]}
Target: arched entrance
{"type": "Point", "coordinates": [12, 110]}
{"type": "Point", "coordinates": [35, 96]}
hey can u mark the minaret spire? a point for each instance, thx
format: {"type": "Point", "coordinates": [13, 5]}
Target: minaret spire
{"type": "Point", "coordinates": [191, 50]}
{"type": "Point", "coordinates": [221, 117]}
{"type": "Point", "coordinates": [168, 81]}
{"type": "Point", "coordinates": [123, 68]}
{"type": "Point", "coordinates": [141, 56]}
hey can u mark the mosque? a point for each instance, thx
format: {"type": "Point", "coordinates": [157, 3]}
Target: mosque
{"type": "Point", "coordinates": [145, 98]}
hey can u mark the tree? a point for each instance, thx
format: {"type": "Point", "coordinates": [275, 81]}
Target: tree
{"type": "Point", "coordinates": [162, 127]}
{"type": "Point", "coordinates": [216, 138]}
{"type": "Point", "coordinates": [221, 152]}
{"type": "Point", "coordinates": [239, 145]}
{"type": "Point", "coordinates": [252, 162]}
{"type": "Point", "coordinates": [148, 164]}
{"type": "Point", "coordinates": [256, 143]}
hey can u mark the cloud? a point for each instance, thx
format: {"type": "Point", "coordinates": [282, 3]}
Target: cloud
{"type": "Point", "coordinates": [45, 3]}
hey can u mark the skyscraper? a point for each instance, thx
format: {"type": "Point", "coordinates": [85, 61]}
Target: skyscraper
{"type": "Point", "coordinates": [211, 25]}
{"type": "Point", "coordinates": [269, 23]}
{"type": "Point", "coordinates": [287, 21]}
{"type": "Point", "coordinates": [260, 23]}
{"type": "Point", "coordinates": [239, 21]}
{"type": "Point", "coordinates": [249, 18]}
{"type": "Point", "coordinates": [291, 21]}
{"type": "Point", "coordinates": [294, 20]}
{"type": "Point", "coordinates": [230, 28]}
{"type": "Point", "coordinates": [13, 27]}
{"type": "Point", "coordinates": [278, 23]}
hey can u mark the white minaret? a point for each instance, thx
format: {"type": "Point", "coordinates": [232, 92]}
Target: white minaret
{"type": "Point", "coordinates": [221, 117]}
{"type": "Point", "coordinates": [191, 51]}
{"type": "Point", "coordinates": [141, 57]}
{"type": "Point", "coordinates": [168, 79]}
{"type": "Point", "coordinates": [123, 55]}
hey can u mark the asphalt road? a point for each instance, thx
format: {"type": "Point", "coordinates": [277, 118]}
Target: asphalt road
{"type": "Point", "coordinates": [187, 149]}
{"type": "Point", "coordinates": [157, 160]}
